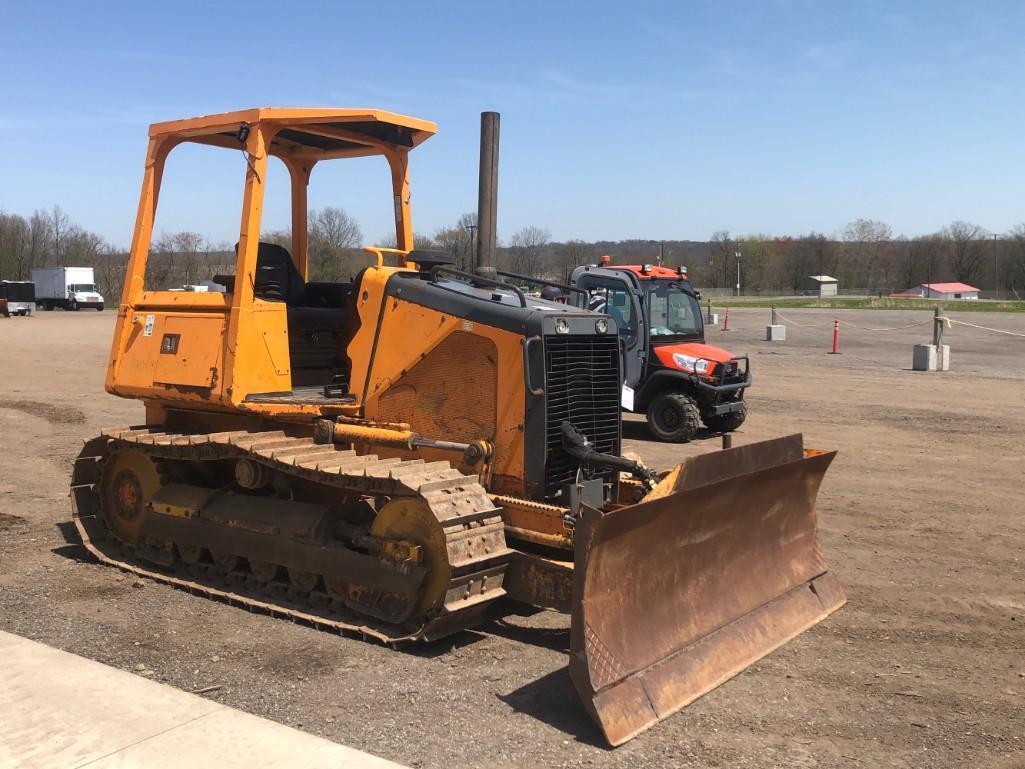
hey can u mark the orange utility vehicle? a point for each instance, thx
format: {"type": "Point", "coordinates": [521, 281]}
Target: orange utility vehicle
{"type": "Point", "coordinates": [669, 373]}
{"type": "Point", "coordinates": [400, 454]}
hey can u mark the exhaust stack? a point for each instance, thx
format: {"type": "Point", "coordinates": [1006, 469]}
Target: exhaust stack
{"type": "Point", "coordinates": [487, 195]}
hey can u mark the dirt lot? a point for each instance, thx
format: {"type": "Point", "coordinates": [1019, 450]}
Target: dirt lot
{"type": "Point", "coordinates": [922, 517]}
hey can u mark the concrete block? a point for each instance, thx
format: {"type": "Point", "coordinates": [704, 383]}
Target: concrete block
{"type": "Point", "coordinates": [712, 319]}
{"type": "Point", "coordinates": [926, 358]}
{"type": "Point", "coordinates": [777, 333]}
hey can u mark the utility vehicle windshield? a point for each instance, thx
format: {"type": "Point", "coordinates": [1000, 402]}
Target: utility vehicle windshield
{"type": "Point", "coordinates": [673, 312]}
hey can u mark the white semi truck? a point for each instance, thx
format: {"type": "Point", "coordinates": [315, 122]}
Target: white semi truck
{"type": "Point", "coordinates": [70, 288]}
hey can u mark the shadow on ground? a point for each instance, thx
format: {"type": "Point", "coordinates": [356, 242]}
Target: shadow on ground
{"type": "Point", "coordinates": [638, 431]}
{"type": "Point", "coordinates": [553, 700]}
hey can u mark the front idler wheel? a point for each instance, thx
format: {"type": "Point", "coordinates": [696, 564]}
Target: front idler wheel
{"type": "Point", "coordinates": [674, 417]}
{"type": "Point", "coordinates": [129, 481]}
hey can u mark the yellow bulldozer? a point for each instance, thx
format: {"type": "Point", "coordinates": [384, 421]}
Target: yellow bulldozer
{"type": "Point", "coordinates": [403, 455]}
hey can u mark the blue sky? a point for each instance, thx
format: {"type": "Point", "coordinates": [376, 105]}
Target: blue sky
{"type": "Point", "coordinates": [619, 120]}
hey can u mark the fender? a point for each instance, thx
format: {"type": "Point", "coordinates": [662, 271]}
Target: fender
{"type": "Point", "coordinates": [658, 381]}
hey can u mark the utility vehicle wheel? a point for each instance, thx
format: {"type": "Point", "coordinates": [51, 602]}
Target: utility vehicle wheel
{"type": "Point", "coordinates": [725, 423]}
{"type": "Point", "coordinates": [673, 417]}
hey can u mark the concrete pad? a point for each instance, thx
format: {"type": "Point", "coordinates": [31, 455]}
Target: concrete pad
{"type": "Point", "coordinates": [63, 711]}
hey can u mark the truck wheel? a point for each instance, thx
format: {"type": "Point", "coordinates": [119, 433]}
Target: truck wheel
{"type": "Point", "coordinates": [100, 308]}
{"type": "Point", "coordinates": [725, 423]}
{"type": "Point", "coordinates": [673, 417]}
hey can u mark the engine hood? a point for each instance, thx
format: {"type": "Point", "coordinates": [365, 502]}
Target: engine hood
{"type": "Point", "coordinates": [709, 352]}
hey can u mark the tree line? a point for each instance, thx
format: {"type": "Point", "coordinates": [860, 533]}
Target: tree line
{"type": "Point", "coordinates": [865, 255]}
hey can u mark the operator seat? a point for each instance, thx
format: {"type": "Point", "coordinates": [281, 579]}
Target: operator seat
{"type": "Point", "coordinates": [277, 279]}
{"type": "Point", "coordinates": [317, 316]}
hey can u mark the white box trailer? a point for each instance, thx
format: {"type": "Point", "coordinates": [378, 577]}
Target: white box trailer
{"type": "Point", "coordinates": [20, 296]}
{"type": "Point", "coordinates": [70, 288]}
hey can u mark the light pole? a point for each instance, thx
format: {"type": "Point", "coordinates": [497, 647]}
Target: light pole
{"type": "Point", "coordinates": [661, 250]}
{"type": "Point", "coordinates": [472, 229]}
{"type": "Point", "coordinates": [737, 254]}
{"type": "Point", "coordinates": [928, 285]}
{"type": "Point", "coordinates": [996, 268]}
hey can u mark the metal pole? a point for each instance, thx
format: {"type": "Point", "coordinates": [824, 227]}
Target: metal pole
{"type": "Point", "coordinates": [995, 267]}
{"type": "Point", "coordinates": [661, 253]}
{"type": "Point", "coordinates": [737, 254]}
{"type": "Point", "coordinates": [822, 249]}
{"type": "Point", "coordinates": [472, 229]}
{"type": "Point", "coordinates": [487, 195]}
{"type": "Point", "coordinates": [937, 329]}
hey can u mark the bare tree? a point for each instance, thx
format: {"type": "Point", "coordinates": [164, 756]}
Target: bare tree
{"type": "Point", "coordinates": [526, 249]}
{"type": "Point", "coordinates": [756, 255]}
{"type": "Point", "coordinates": [458, 240]}
{"type": "Point", "coordinates": [60, 225]}
{"type": "Point", "coordinates": [419, 241]}
{"type": "Point", "coordinates": [966, 249]}
{"type": "Point", "coordinates": [574, 253]}
{"type": "Point", "coordinates": [161, 266]}
{"type": "Point", "coordinates": [14, 233]}
{"type": "Point", "coordinates": [867, 253]}
{"type": "Point", "coordinates": [109, 268]}
{"type": "Point", "coordinates": [189, 248]}
{"type": "Point", "coordinates": [918, 260]}
{"type": "Point", "coordinates": [333, 240]}
{"type": "Point", "coordinates": [1017, 238]}
{"type": "Point", "coordinates": [39, 237]}
{"type": "Point", "coordinates": [722, 259]}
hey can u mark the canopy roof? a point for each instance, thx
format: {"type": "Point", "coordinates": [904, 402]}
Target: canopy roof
{"type": "Point", "coordinates": [312, 132]}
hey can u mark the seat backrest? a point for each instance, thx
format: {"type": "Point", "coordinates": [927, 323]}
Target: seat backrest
{"type": "Point", "coordinates": [277, 278]}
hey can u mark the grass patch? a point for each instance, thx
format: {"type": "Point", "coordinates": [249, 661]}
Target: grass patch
{"type": "Point", "coordinates": [868, 303]}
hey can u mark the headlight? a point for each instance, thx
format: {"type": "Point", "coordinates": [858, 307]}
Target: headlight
{"type": "Point", "coordinates": [690, 363]}
{"type": "Point", "coordinates": [561, 326]}
{"type": "Point", "coordinates": [601, 325]}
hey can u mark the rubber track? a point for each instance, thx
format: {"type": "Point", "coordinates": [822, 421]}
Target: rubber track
{"type": "Point", "coordinates": [472, 524]}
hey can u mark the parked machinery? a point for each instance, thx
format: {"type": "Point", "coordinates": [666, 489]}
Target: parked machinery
{"type": "Point", "coordinates": [670, 373]}
{"type": "Point", "coordinates": [400, 454]}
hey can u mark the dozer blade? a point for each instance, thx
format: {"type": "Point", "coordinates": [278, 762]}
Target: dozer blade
{"type": "Point", "coordinates": [712, 570]}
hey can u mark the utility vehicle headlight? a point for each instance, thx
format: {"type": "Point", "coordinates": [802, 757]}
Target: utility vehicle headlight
{"type": "Point", "coordinates": [690, 363]}
{"type": "Point", "coordinates": [561, 326]}
{"type": "Point", "coordinates": [601, 325]}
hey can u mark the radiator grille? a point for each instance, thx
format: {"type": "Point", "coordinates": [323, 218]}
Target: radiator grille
{"type": "Point", "coordinates": [582, 386]}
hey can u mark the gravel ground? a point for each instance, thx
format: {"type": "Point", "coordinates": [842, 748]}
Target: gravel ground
{"type": "Point", "coordinates": [921, 516]}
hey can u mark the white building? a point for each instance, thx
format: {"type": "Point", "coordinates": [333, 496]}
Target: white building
{"type": "Point", "coordinates": [820, 285]}
{"type": "Point", "coordinates": [945, 291]}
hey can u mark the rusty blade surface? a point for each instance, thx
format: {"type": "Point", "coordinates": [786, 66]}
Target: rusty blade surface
{"type": "Point", "coordinates": [682, 591]}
